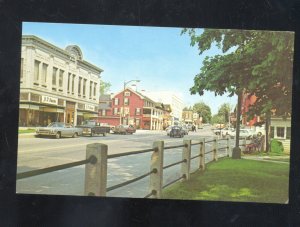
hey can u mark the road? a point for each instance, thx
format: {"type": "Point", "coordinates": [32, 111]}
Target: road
{"type": "Point", "coordinates": [37, 153]}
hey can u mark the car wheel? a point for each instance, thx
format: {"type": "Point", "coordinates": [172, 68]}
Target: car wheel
{"type": "Point", "coordinates": [57, 135]}
{"type": "Point", "coordinates": [75, 135]}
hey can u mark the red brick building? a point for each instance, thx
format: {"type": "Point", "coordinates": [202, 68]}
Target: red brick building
{"type": "Point", "coordinates": [131, 107]}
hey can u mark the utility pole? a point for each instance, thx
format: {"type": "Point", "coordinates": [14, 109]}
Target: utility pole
{"type": "Point", "coordinates": [236, 152]}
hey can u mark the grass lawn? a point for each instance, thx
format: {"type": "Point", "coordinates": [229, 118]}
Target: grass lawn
{"type": "Point", "coordinates": [26, 131]}
{"type": "Point", "coordinates": [235, 180]}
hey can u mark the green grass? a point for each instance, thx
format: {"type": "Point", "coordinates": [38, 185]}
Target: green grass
{"type": "Point", "coordinates": [26, 131]}
{"type": "Point", "coordinates": [235, 180]}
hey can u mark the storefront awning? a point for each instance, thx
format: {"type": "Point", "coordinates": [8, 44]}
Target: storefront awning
{"type": "Point", "coordinates": [89, 115]}
{"type": "Point", "coordinates": [29, 107]}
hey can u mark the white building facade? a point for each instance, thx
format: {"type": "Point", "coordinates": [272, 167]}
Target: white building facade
{"type": "Point", "coordinates": [56, 84]}
{"type": "Point", "coordinates": [171, 98]}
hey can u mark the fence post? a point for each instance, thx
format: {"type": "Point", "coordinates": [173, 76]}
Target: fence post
{"type": "Point", "coordinates": [215, 149]}
{"type": "Point", "coordinates": [202, 154]}
{"type": "Point", "coordinates": [156, 178]}
{"type": "Point", "coordinates": [229, 147]}
{"type": "Point", "coordinates": [186, 157]}
{"type": "Point", "coordinates": [96, 170]}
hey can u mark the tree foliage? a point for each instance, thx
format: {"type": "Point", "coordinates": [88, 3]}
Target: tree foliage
{"type": "Point", "coordinates": [224, 111]}
{"type": "Point", "coordinates": [253, 62]}
{"type": "Point", "coordinates": [203, 110]}
{"type": "Point", "coordinates": [104, 87]}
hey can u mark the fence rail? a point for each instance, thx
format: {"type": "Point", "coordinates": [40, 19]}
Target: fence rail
{"type": "Point", "coordinates": [97, 158]}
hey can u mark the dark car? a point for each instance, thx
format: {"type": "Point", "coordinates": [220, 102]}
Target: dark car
{"type": "Point", "coordinates": [177, 131]}
{"type": "Point", "coordinates": [124, 129]}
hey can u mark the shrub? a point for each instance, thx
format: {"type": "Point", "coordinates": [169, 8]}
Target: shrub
{"type": "Point", "coordinates": [276, 146]}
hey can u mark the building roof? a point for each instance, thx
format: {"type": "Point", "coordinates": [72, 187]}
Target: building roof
{"type": "Point", "coordinates": [71, 51]}
{"type": "Point", "coordinates": [104, 98]}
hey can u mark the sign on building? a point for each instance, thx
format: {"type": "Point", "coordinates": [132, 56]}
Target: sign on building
{"type": "Point", "coordinates": [49, 100]}
{"type": "Point", "coordinates": [89, 107]}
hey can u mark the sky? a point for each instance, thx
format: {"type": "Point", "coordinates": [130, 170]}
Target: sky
{"type": "Point", "coordinates": [160, 57]}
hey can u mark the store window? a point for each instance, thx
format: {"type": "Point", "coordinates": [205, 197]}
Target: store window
{"type": "Point", "coordinates": [280, 132]}
{"type": "Point", "coordinates": [103, 113]}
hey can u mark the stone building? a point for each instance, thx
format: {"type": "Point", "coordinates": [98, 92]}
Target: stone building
{"type": "Point", "coordinates": [56, 84]}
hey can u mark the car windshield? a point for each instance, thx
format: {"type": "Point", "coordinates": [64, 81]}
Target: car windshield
{"type": "Point", "coordinates": [56, 124]}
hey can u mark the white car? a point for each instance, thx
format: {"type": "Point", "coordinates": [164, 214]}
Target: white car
{"type": "Point", "coordinates": [226, 131]}
{"type": "Point", "coordinates": [244, 133]}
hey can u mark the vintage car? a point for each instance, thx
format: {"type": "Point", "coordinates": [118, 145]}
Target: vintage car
{"type": "Point", "coordinates": [92, 128]}
{"type": "Point", "coordinates": [124, 129]}
{"type": "Point", "coordinates": [58, 130]}
{"type": "Point", "coordinates": [177, 131]}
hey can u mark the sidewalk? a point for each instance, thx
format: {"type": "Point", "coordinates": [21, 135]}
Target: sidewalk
{"type": "Point", "coordinates": [275, 159]}
{"type": "Point", "coordinates": [26, 135]}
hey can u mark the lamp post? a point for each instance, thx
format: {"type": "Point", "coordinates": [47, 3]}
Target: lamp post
{"type": "Point", "coordinates": [125, 83]}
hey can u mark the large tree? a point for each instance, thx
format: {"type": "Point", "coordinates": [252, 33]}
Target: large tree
{"type": "Point", "coordinates": [203, 110]}
{"type": "Point", "coordinates": [253, 62]}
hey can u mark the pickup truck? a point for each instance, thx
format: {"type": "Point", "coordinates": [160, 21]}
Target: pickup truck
{"type": "Point", "coordinates": [93, 128]}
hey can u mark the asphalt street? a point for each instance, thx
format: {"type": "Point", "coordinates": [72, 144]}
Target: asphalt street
{"type": "Point", "coordinates": [37, 153]}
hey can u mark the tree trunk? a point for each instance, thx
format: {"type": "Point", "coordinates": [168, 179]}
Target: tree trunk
{"type": "Point", "coordinates": [268, 121]}
{"type": "Point", "coordinates": [236, 152]}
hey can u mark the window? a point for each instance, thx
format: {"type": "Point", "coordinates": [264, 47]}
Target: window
{"type": "Point", "coordinates": [69, 80]}
{"type": "Point", "coordinates": [54, 76]}
{"type": "Point", "coordinates": [73, 81]}
{"type": "Point", "coordinates": [36, 70]}
{"type": "Point", "coordinates": [116, 101]}
{"type": "Point", "coordinates": [79, 86]}
{"type": "Point", "coordinates": [91, 85]}
{"type": "Point", "coordinates": [44, 73]}
{"type": "Point", "coordinates": [84, 84]}
{"type": "Point", "coordinates": [61, 78]}
{"type": "Point", "coordinates": [126, 110]}
{"type": "Point", "coordinates": [21, 70]}
{"type": "Point", "coordinates": [272, 132]}
{"type": "Point", "coordinates": [280, 132]}
{"type": "Point", "coordinates": [95, 85]}
{"type": "Point", "coordinates": [288, 133]}
{"type": "Point", "coordinates": [127, 93]}
{"type": "Point", "coordinates": [115, 111]}
{"type": "Point", "coordinates": [138, 111]}
{"type": "Point", "coordinates": [103, 112]}
{"type": "Point", "coordinates": [126, 101]}
{"type": "Point", "coordinates": [137, 122]}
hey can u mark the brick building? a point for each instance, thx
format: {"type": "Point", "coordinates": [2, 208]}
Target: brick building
{"type": "Point", "coordinates": [131, 107]}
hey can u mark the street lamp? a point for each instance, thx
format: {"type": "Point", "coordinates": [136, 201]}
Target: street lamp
{"type": "Point", "coordinates": [125, 83]}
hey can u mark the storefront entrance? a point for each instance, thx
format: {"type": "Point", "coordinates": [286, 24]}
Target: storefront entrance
{"type": "Point", "coordinates": [70, 109]}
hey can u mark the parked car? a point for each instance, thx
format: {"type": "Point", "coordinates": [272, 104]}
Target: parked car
{"type": "Point", "coordinates": [58, 130]}
{"type": "Point", "coordinates": [177, 131]}
{"type": "Point", "coordinates": [225, 131]}
{"type": "Point", "coordinates": [244, 133]}
{"type": "Point", "coordinates": [92, 128]}
{"type": "Point", "coordinates": [124, 129]}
